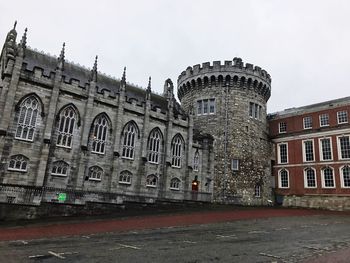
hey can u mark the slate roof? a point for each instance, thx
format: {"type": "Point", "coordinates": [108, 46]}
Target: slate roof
{"type": "Point", "coordinates": [34, 59]}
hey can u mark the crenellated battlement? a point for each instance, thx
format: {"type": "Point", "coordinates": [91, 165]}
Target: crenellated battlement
{"type": "Point", "coordinates": [231, 73]}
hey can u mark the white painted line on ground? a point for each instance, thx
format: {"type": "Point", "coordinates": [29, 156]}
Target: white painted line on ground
{"type": "Point", "coordinates": [37, 256]}
{"type": "Point", "coordinates": [124, 246]}
{"type": "Point", "coordinates": [257, 232]}
{"type": "Point", "coordinates": [58, 255]}
{"type": "Point", "coordinates": [226, 236]}
{"type": "Point", "coordinates": [282, 228]}
{"type": "Point", "coordinates": [190, 242]}
{"type": "Point", "coordinates": [269, 255]}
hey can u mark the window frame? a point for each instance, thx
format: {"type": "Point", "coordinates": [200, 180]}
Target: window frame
{"type": "Point", "coordinates": [90, 178]}
{"type": "Point", "coordinates": [177, 151]}
{"type": "Point", "coordinates": [279, 153]}
{"type": "Point", "coordinates": [323, 178]}
{"type": "Point", "coordinates": [257, 191]}
{"type": "Point", "coordinates": [32, 125]}
{"type": "Point", "coordinates": [341, 172]}
{"type": "Point", "coordinates": [60, 174]}
{"type": "Point", "coordinates": [235, 164]}
{"type": "Point", "coordinates": [125, 174]}
{"type": "Point", "coordinates": [151, 185]}
{"type": "Point", "coordinates": [304, 150]}
{"type": "Point", "coordinates": [282, 125]}
{"type": "Point", "coordinates": [306, 182]}
{"type": "Point", "coordinates": [25, 159]}
{"type": "Point", "coordinates": [307, 122]}
{"type": "Point", "coordinates": [340, 157]}
{"type": "Point", "coordinates": [70, 130]}
{"type": "Point", "coordinates": [340, 117]}
{"type": "Point", "coordinates": [178, 181]}
{"type": "Point", "coordinates": [196, 161]}
{"type": "Point", "coordinates": [154, 146]}
{"type": "Point", "coordinates": [321, 148]}
{"type": "Point", "coordinates": [320, 118]}
{"type": "Point", "coordinates": [97, 137]}
{"type": "Point", "coordinates": [129, 141]}
{"type": "Point", "coordinates": [280, 179]}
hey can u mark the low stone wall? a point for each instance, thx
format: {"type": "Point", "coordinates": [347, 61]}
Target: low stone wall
{"type": "Point", "coordinates": [329, 202]}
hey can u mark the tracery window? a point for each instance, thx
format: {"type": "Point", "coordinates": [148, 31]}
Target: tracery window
{"type": "Point", "coordinates": [18, 163]}
{"type": "Point", "coordinates": [95, 173]}
{"type": "Point", "coordinates": [175, 184]}
{"type": "Point", "coordinates": [154, 146]}
{"type": "Point", "coordinates": [196, 162]}
{"type": "Point", "coordinates": [60, 168]}
{"type": "Point", "coordinates": [152, 180]}
{"type": "Point", "coordinates": [176, 149]}
{"type": "Point", "coordinates": [28, 113]}
{"type": "Point", "coordinates": [100, 134]}
{"type": "Point", "coordinates": [125, 177]}
{"type": "Point", "coordinates": [129, 141]}
{"type": "Point", "coordinates": [67, 120]}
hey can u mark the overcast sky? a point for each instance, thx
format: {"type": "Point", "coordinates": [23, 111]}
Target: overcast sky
{"type": "Point", "coordinates": [304, 44]}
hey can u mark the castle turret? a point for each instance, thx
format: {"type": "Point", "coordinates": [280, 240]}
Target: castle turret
{"type": "Point", "coordinates": [229, 102]}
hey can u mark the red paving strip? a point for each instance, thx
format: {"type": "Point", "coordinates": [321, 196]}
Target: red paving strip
{"type": "Point", "coordinates": [146, 222]}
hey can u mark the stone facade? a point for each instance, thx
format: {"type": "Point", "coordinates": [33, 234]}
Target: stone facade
{"type": "Point", "coordinates": [231, 99]}
{"type": "Point", "coordinates": [66, 128]}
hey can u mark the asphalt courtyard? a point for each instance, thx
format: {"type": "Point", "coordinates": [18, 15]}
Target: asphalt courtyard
{"type": "Point", "coordinates": [237, 235]}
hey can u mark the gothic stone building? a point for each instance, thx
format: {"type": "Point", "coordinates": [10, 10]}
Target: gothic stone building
{"type": "Point", "coordinates": [75, 135]}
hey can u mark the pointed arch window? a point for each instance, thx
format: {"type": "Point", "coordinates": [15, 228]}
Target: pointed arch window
{"type": "Point", "coordinates": [176, 149]}
{"type": "Point", "coordinates": [154, 146]}
{"type": "Point", "coordinates": [175, 184]}
{"type": "Point", "coordinates": [99, 135]}
{"type": "Point", "coordinates": [125, 177]}
{"type": "Point", "coordinates": [151, 180]}
{"type": "Point", "coordinates": [328, 177]}
{"type": "Point", "coordinates": [60, 168]}
{"type": "Point", "coordinates": [129, 141]}
{"type": "Point", "coordinates": [95, 173]}
{"type": "Point", "coordinates": [18, 163]}
{"type": "Point", "coordinates": [26, 123]}
{"type": "Point", "coordinates": [196, 162]}
{"type": "Point", "coordinates": [67, 121]}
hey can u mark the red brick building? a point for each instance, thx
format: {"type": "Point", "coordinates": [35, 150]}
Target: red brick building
{"type": "Point", "coordinates": [312, 155]}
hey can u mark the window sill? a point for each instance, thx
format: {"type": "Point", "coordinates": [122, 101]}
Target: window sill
{"type": "Point", "coordinates": [99, 153]}
{"type": "Point", "coordinates": [63, 146]}
{"type": "Point", "coordinates": [59, 175]}
{"type": "Point", "coordinates": [124, 183]}
{"type": "Point", "coordinates": [128, 158]}
{"type": "Point", "coordinates": [174, 189]}
{"type": "Point", "coordinates": [95, 179]}
{"type": "Point", "coordinates": [23, 140]}
{"type": "Point", "coordinates": [17, 170]}
{"type": "Point", "coordinates": [151, 186]}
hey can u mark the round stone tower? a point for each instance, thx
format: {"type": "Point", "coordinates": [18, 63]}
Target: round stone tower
{"type": "Point", "coordinates": [229, 102]}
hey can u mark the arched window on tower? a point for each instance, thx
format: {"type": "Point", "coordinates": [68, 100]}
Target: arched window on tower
{"type": "Point", "coordinates": [154, 143]}
{"type": "Point", "coordinates": [151, 180]}
{"type": "Point", "coordinates": [95, 173]}
{"type": "Point", "coordinates": [129, 136]}
{"type": "Point", "coordinates": [27, 117]}
{"type": "Point", "coordinates": [66, 125]}
{"type": "Point", "coordinates": [175, 184]}
{"type": "Point", "coordinates": [176, 149]}
{"type": "Point", "coordinates": [99, 134]}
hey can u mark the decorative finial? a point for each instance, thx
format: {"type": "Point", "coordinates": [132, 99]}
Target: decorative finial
{"type": "Point", "coordinates": [24, 39]}
{"type": "Point", "coordinates": [14, 26]}
{"type": "Point", "coordinates": [124, 75]}
{"type": "Point", "coordinates": [95, 64]}
{"type": "Point", "coordinates": [149, 85]}
{"type": "Point", "coordinates": [60, 59]}
{"type": "Point", "coordinates": [63, 51]}
{"type": "Point", "coordinates": [94, 71]}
